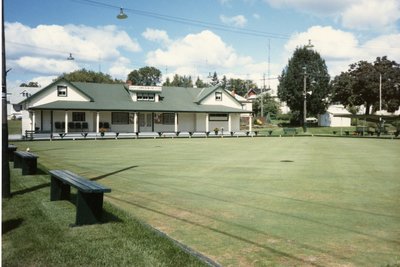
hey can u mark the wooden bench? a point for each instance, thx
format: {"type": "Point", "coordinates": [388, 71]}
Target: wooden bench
{"type": "Point", "coordinates": [27, 161]}
{"type": "Point", "coordinates": [291, 131]}
{"type": "Point", "coordinates": [11, 149]}
{"type": "Point", "coordinates": [89, 203]}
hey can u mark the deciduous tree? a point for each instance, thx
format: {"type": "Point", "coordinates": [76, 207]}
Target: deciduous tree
{"type": "Point", "coordinates": [89, 76]}
{"type": "Point", "coordinates": [146, 76]}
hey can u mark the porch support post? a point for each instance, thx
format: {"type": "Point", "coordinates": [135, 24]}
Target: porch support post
{"type": "Point", "coordinates": [33, 120]}
{"type": "Point", "coordinates": [176, 122]}
{"type": "Point", "coordinates": [135, 129]}
{"type": "Point", "coordinates": [229, 123]}
{"type": "Point", "coordinates": [41, 120]}
{"type": "Point", "coordinates": [97, 122]}
{"type": "Point", "coordinates": [250, 122]}
{"type": "Point", "coordinates": [207, 123]}
{"type": "Point", "coordinates": [66, 121]}
{"type": "Point", "coordinates": [51, 124]}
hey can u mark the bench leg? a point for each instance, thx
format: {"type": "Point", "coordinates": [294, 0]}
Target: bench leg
{"type": "Point", "coordinates": [59, 190]}
{"type": "Point", "coordinates": [89, 208]}
{"type": "Point", "coordinates": [17, 161]}
{"type": "Point", "coordinates": [29, 166]}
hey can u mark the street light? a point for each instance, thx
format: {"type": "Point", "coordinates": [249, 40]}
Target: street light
{"type": "Point", "coordinates": [307, 46]}
{"type": "Point", "coordinates": [121, 14]}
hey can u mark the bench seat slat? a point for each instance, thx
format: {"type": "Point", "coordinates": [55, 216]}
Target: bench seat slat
{"type": "Point", "coordinates": [25, 154]}
{"type": "Point", "coordinates": [79, 182]}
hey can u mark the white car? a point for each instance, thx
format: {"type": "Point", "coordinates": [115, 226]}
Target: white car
{"type": "Point", "coordinates": [311, 120]}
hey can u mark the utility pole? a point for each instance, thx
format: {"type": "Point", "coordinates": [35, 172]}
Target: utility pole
{"type": "Point", "coordinates": [5, 172]}
{"type": "Point", "coordinates": [262, 97]}
{"type": "Point", "coordinates": [305, 101]}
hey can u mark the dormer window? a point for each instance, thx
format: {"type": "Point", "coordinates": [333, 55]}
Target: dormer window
{"type": "Point", "coordinates": [218, 96]}
{"type": "Point", "coordinates": [62, 90]}
{"type": "Point", "coordinates": [145, 97]}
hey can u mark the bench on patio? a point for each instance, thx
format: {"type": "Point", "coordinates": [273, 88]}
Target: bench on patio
{"type": "Point", "coordinates": [291, 131]}
{"type": "Point", "coordinates": [27, 161]}
{"type": "Point", "coordinates": [89, 202]}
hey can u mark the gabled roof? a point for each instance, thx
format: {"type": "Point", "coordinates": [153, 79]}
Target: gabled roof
{"type": "Point", "coordinates": [116, 97]}
{"type": "Point", "coordinates": [204, 93]}
{"type": "Point", "coordinates": [48, 87]}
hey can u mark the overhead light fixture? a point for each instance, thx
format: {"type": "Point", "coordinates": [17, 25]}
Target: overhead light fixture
{"type": "Point", "coordinates": [121, 14]}
{"type": "Point", "coordinates": [70, 57]}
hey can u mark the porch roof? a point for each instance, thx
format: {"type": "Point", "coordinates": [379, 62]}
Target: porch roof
{"type": "Point", "coordinates": [137, 106]}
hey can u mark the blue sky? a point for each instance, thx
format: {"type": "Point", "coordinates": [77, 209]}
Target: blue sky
{"type": "Point", "coordinates": [237, 38]}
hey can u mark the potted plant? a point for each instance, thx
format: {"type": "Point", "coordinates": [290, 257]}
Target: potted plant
{"type": "Point", "coordinates": [216, 131]}
{"type": "Point", "coordinates": [102, 131]}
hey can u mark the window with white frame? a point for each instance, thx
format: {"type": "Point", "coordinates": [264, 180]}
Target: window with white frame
{"type": "Point", "coordinates": [62, 90]}
{"type": "Point", "coordinates": [218, 117]}
{"type": "Point", "coordinates": [168, 118]}
{"type": "Point", "coordinates": [78, 116]}
{"type": "Point", "coordinates": [218, 96]}
{"type": "Point", "coordinates": [145, 97]}
{"type": "Point", "coordinates": [120, 118]}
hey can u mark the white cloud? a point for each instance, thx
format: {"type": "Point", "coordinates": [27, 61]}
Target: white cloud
{"type": "Point", "coordinates": [237, 21]}
{"type": "Point", "coordinates": [43, 81]}
{"type": "Point", "coordinates": [43, 65]}
{"type": "Point", "coordinates": [340, 48]}
{"type": "Point", "coordinates": [156, 36]}
{"type": "Point", "coordinates": [375, 15]}
{"type": "Point", "coordinates": [44, 48]}
{"type": "Point", "coordinates": [204, 48]}
{"type": "Point", "coordinates": [120, 68]}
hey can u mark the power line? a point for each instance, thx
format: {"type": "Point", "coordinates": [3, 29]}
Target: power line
{"type": "Point", "coordinates": [187, 21]}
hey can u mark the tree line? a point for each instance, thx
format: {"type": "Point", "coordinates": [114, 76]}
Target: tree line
{"type": "Point", "coordinates": [306, 69]}
{"type": "Point", "coordinates": [359, 85]}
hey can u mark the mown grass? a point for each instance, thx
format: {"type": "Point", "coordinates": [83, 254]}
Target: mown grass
{"type": "Point", "coordinates": [14, 126]}
{"type": "Point", "coordinates": [307, 201]}
{"type": "Point", "coordinates": [37, 232]}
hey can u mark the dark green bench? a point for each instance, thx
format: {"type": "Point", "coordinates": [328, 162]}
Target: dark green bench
{"type": "Point", "coordinates": [89, 202]}
{"type": "Point", "coordinates": [291, 131]}
{"type": "Point", "coordinates": [10, 151]}
{"type": "Point", "coordinates": [27, 161]}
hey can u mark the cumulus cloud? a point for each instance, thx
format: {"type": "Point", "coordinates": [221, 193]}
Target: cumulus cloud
{"type": "Point", "coordinates": [197, 49]}
{"type": "Point", "coordinates": [237, 21]}
{"type": "Point", "coordinates": [376, 15]}
{"type": "Point", "coordinates": [340, 48]}
{"type": "Point", "coordinates": [156, 36]}
{"type": "Point", "coordinates": [120, 68]}
{"type": "Point", "coordinates": [41, 65]}
{"type": "Point", "coordinates": [43, 49]}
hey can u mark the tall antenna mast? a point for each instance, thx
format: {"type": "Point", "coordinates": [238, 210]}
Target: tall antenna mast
{"type": "Point", "coordinates": [269, 63]}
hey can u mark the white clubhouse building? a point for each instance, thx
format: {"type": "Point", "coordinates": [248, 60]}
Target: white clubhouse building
{"type": "Point", "coordinates": [75, 107]}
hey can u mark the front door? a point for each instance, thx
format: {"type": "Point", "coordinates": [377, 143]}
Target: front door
{"type": "Point", "coordinates": [145, 122]}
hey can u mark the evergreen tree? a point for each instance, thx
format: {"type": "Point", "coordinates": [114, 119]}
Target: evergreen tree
{"type": "Point", "coordinates": [214, 79]}
{"type": "Point", "coordinates": [305, 63]}
{"type": "Point", "coordinates": [200, 84]}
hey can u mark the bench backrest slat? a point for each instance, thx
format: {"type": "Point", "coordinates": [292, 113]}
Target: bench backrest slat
{"type": "Point", "coordinates": [79, 182]}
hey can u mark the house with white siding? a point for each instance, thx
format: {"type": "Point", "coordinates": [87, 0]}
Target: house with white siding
{"type": "Point", "coordinates": [75, 107]}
